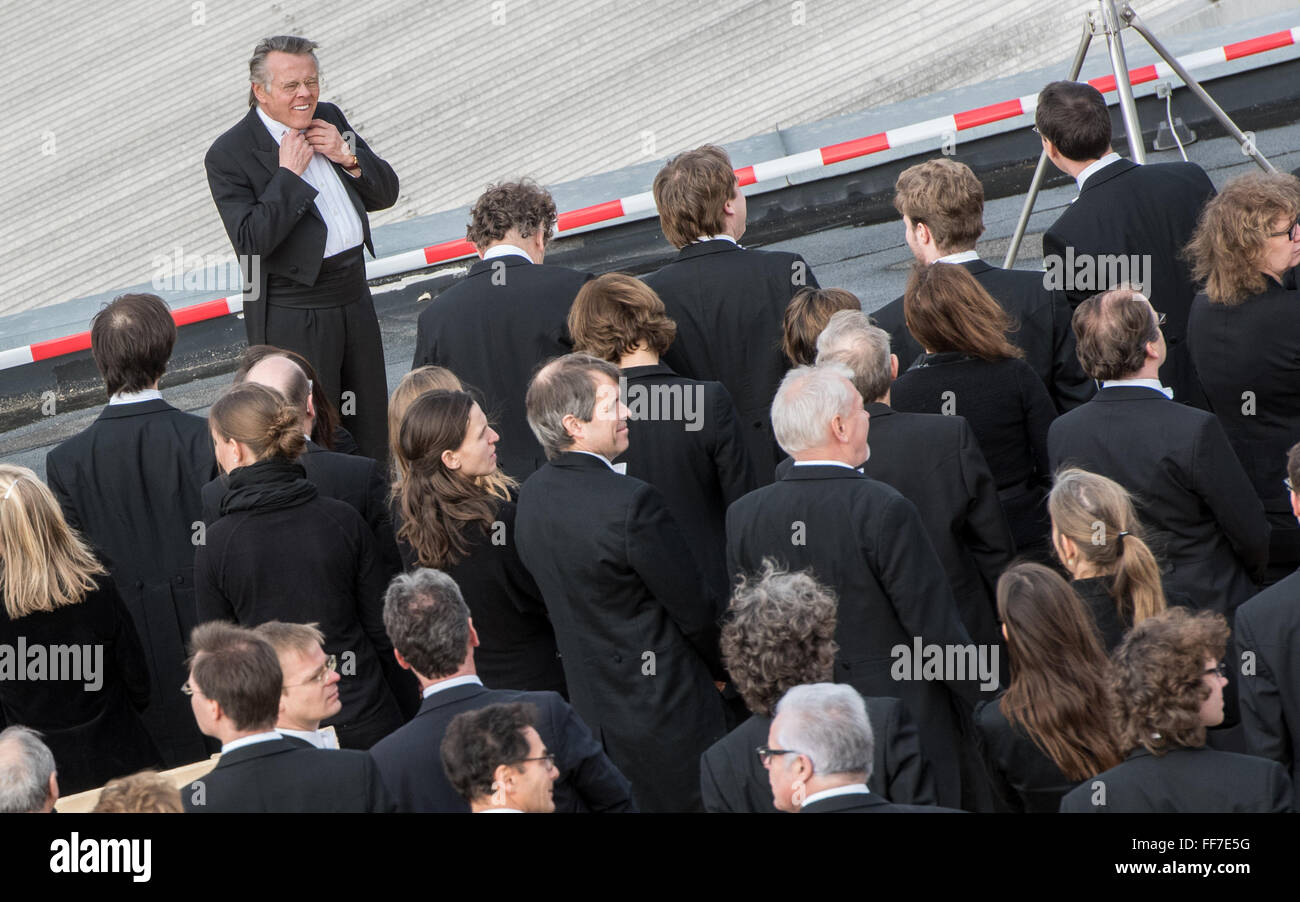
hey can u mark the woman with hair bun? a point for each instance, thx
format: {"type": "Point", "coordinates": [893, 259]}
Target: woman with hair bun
{"type": "Point", "coordinates": [280, 551]}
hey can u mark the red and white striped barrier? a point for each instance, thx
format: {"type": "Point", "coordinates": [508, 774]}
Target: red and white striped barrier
{"type": "Point", "coordinates": [805, 161]}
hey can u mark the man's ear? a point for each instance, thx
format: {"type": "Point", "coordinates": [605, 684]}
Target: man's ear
{"type": "Point", "coordinates": [260, 93]}
{"type": "Point", "coordinates": [572, 426]}
{"type": "Point", "coordinates": [1295, 505]}
{"type": "Point", "coordinates": [402, 662]}
{"type": "Point", "coordinates": [53, 789]}
{"type": "Point", "coordinates": [893, 367]}
{"type": "Point", "coordinates": [473, 634]}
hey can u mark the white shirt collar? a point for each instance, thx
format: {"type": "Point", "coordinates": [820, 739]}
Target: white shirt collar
{"type": "Point", "coordinates": [1145, 383]}
{"type": "Point", "coordinates": [620, 468]}
{"type": "Point", "coordinates": [718, 238]}
{"type": "Point", "coordinates": [249, 740]}
{"type": "Point", "coordinates": [275, 127]}
{"type": "Point", "coordinates": [824, 463]}
{"type": "Point", "coordinates": [468, 679]}
{"type": "Point", "coordinates": [1099, 164]}
{"type": "Point", "coordinates": [960, 257]}
{"type": "Point", "coordinates": [135, 397]}
{"type": "Point", "coordinates": [500, 811]}
{"type": "Point", "coordinates": [502, 250]}
{"type": "Point", "coordinates": [847, 789]}
{"type": "Point", "coordinates": [324, 738]}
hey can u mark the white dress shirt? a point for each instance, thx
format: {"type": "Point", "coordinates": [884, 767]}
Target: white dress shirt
{"type": "Point", "coordinates": [503, 250]}
{"type": "Point", "coordinates": [135, 397]}
{"type": "Point", "coordinates": [324, 738]}
{"type": "Point", "coordinates": [468, 679]}
{"type": "Point", "coordinates": [959, 257]}
{"type": "Point", "coordinates": [847, 789]}
{"type": "Point", "coordinates": [1087, 173]}
{"type": "Point", "coordinates": [824, 463]}
{"type": "Point", "coordinates": [250, 740]}
{"type": "Point", "coordinates": [1144, 383]}
{"type": "Point", "coordinates": [341, 219]}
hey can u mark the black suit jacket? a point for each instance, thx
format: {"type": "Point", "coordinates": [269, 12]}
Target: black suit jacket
{"type": "Point", "coordinates": [492, 329]}
{"type": "Point", "coordinates": [729, 303]}
{"type": "Point", "coordinates": [358, 481]}
{"type": "Point", "coordinates": [1248, 359]}
{"type": "Point", "coordinates": [1185, 780]}
{"type": "Point", "coordinates": [636, 623]}
{"type": "Point", "coordinates": [270, 212]}
{"type": "Point", "coordinates": [289, 776]}
{"type": "Point", "coordinates": [865, 541]}
{"type": "Point", "coordinates": [1268, 626]}
{"type": "Point", "coordinates": [732, 779]}
{"type": "Point", "coordinates": [130, 484]}
{"type": "Point", "coordinates": [700, 463]}
{"type": "Point", "coordinates": [1149, 211]}
{"type": "Point", "coordinates": [411, 764]}
{"type": "Point", "coordinates": [869, 803]}
{"type": "Point", "coordinates": [1042, 330]}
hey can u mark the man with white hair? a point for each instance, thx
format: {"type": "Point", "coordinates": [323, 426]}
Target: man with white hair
{"type": "Point", "coordinates": [29, 782]}
{"type": "Point", "coordinates": [868, 543]}
{"type": "Point", "coordinates": [818, 754]}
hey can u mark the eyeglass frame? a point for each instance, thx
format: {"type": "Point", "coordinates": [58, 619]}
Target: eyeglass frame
{"type": "Point", "coordinates": [1221, 669]}
{"type": "Point", "coordinates": [1289, 232]}
{"type": "Point", "coordinates": [322, 673]}
{"type": "Point", "coordinates": [765, 754]}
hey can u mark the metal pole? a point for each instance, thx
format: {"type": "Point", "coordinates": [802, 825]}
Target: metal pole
{"type": "Point", "coordinates": [1075, 68]}
{"type": "Point", "coordinates": [1118, 62]}
{"type": "Point", "coordinates": [1247, 144]}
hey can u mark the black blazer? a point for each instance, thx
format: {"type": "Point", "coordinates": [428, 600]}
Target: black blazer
{"type": "Point", "coordinates": [869, 803]}
{"type": "Point", "coordinates": [698, 462]}
{"type": "Point", "coordinates": [492, 329]}
{"type": "Point", "coordinates": [130, 484]}
{"type": "Point", "coordinates": [91, 722]}
{"type": "Point", "coordinates": [517, 649]}
{"type": "Point", "coordinates": [1268, 626]}
{"type": "Point", "coordinates": [729, 303]}
{"type": "Point", "coordinates": [411, 764]}
{"type": "Point", "coordinates": [358, 481]}
{"type": "Point", "coordinates": [270, 212]}
{"type": "Point", "coordinates": [1009, 411]}
{"type": "Point", "coordinates": [292, 777]}
{"type": "Point", "coordinates": [1150, 211]}
{"type": "Point", "coordinates": [732, 779]}
{"type": "Point", "coordinates": [1024, 778]}
{"type": "Point", "coordinates": [1248, 360]}
{"type": "Point", "coordinates": [1042, 330]}
{"type": "Point", "coordinates": [1205, 523]}
{"type": "Point", "coordinates": [636, 623]}
{"type": "Point", "coordinates": [1185, 780]}
{"type": "Point", "coordinates": [865, 541]}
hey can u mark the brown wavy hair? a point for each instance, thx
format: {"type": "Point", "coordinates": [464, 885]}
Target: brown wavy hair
{"type": "Point", "coordinates": [1158, 681]}
{"type": "Point", "coordinates": [947, 310]}
{"type": "Point", "coordinates": [1059, 693]}
{"type": "Point", "coordinates": [443, 511]}
{"type": "Point", "coordinates": [327, 415]}
{"type": "Point", "coordinates": [522, 205]}
{"type": "Point", "coordinates": [807, 315]}
{"type": "Point", "coordinates": [260, 418]}
{"type": "Point", "coordinates": [691, 191]}
{"type": "Point", "coordinates": [779, 633]}
{"type": "Point", "coordinates": [1230, 238]}
{"type": "Point", "coordinates": [614, 313]}
{"type": "Point", "coordinates": [946, 196]}
{"type": "Point", "coordinates": [1097, 514]}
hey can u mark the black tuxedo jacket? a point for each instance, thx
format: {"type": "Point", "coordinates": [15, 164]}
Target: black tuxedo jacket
{"type": "Point", "coordinates": [1207, 525]}
{"type": "Point", "coordinates": [492, 329]}
{"type": "Point", "coordinates": [1151, 211]}
{"type": "Point", "coordinates": [411, 764]}
{"type": "Point", "coordinates": [1248, 359]}
{"type": "Point", "coordinates": [729, 303]}
{"type": "Point", "coordinates": [358, 481]}
{"type": "Point", "coordinates": [1185, 780]}
{"type": "Point", "coordinates": [869, 803]}
{"type": "Point", "coordinates": [1043, 330]}
{"type": "Point", "coordinates": [289, 776]}
{"type": "Point", "coordinates": [700, 466]}
{"type": "Point", "coordinates": [130, 484]}
{"type": "Point", "coordinates": [732, 779]}
{"type": "Point", "coordinates": [867, 542]}
{"type": "Point", "coordinates": [1268, 626]}
{"type": "Point", "coordinates": [635, 621]}
{"type": "Point", "coordinates": [271, 212]}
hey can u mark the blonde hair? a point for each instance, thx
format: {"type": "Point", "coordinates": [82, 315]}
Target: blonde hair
{"type": "Point", "coordinates": [44, 563]}
{"type": "Point", "coordinates": [1097, 514]}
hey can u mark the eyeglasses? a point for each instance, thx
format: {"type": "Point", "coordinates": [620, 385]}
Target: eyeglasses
{"type": "Point", "coordinates": [549, 758]}
{"type": "Point", "coordinates": [1035, 130]}
{"type": "Point", "coordinates": [331, 664]}
{"type": "Point", "coordinates": [1289, 232]}
{"type": "Point", "coordinates": [291, 87]}
{"type": "Point", "coordinates": [1287, 482]}
{"type": "Point", "coordinates": [765, 754]}
{"type": "Point", "coordinates": [1161, 318]}
{"type": "Point", "coordinates": [187, 688]}
{"type": "Point", "coordinates": [1219, 669]}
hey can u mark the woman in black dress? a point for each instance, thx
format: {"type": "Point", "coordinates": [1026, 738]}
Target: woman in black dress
{"type": "Point", "coordinates": [448, 518]}
{"type": "Point", "coordinates": [85, 702]}
{"type": "Point", "coordinates": [970, 369]}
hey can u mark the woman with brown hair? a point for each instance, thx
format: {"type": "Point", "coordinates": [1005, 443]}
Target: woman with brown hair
{"type": "Point", "coordinates": [809, 311]}
{"type": "Point", "coordinates": [448, 519]}
{"type": "Point", "coordinates": [1244, 336]}
{"type": "Point", "coordinates": [970, 369]}
{"type": "Point", "coordinates": [1051, 728]}
{"type": "Point", "coordinates": [83, 679]}
{"type": "Point", "coordinates": [281, 551]}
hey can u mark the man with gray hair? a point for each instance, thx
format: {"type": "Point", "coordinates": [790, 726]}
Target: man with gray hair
{"type": "Point", "coordinates": [935, 462]}
{"type": "Point", "coordinates": [635, 620]}
{"type": "Point", "coordinates": [433, 636]}
{"type": "Point", "coordinates": [867, 542]}
{"type": "Point", "coordinates": [29, 782]}
{"type": "Point", "coordinates": [818, 754]}
{"type": "Point", "coordinates": [293, 183]}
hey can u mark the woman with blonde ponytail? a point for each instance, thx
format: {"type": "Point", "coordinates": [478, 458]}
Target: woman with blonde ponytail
{"type": "Point", "coordinates": [1099, 540]}
{"type": "Point", "coordinates": [83, 698]}
{"type": "Point", "coordinates": [281, 551]}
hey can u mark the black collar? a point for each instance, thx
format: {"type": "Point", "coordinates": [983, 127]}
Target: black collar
{"type": "Point", "coordinates": [478, 267]}
{"type": "Point", "coordinates": [1129, 393]}
{"type": "Point", "coordinates": [570, 460]}
{"type": "Point", "coordinates": [1108, 172]}
{"type": "Point", "coordinates": [651, 369]}
{"type": "Point", "coordinates": [877, 409]}
{"type": "Point", "coordinates": [821, 471]}
{"type": "Point", "coordinates": [445, 697]}
{"type": "Point", "coordinates": [134, 409]}
{"type": "Point", "coordinates": [703, 248]}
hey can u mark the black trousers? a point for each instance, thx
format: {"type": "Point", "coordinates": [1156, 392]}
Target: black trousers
{"type": "Point", "coordinates": [344, 345]}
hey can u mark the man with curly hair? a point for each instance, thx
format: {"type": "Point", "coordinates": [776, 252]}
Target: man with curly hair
{"type": "Point", "coordinates": [506, 316]}
{"type": "Point", "coordinates": [1168, 682]}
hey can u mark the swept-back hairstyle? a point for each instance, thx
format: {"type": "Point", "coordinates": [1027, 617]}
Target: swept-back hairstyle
{"type": "Point", "coordinates": [280, 43]}
{"type": "Point", "coordinates": [1233, 232]}
{"type": "Point", "coordinates": [260, 418]}
{"type": "Point", "coordinates": [1059, 693]}
{"type": "Point", "coordinates": [947, 310]}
